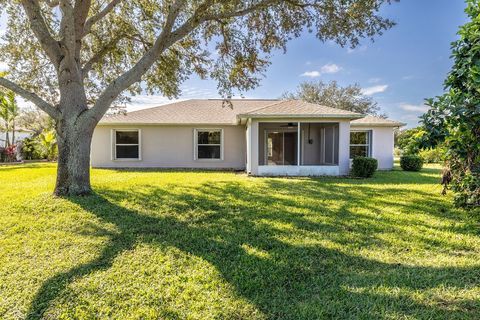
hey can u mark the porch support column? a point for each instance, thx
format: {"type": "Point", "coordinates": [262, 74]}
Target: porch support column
{"type": "Point", "coordinates": [252, 146]}
{"type": "Point", "coordinates": [298, 143]}
{"type": "Point", "coordinates": [249, 145]}
{"type": "Point", "coordinates": [344, 147]}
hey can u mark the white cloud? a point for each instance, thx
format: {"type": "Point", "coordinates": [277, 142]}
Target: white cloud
{"type": "Point", "coordinates": [329, 68]}
{"type": "Point", "coordinates": [407, 77]}
{"type": "Point", "coordinates": [310, 74]}
{"type": "Point", "coordinates": [374, 80]}
{"type": "Point", "coordinates": [414, 108]}
{"type": "Point", "coordinates": [375, 89]}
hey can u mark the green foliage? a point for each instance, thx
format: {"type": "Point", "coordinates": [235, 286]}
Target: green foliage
{"type": "Point", "coordinates": [213, 245]}
{"type": "Point", "coordinates": [31, 149]}
{"type": "Point", "coordinates": [332, 95]}
{"type": "Point", "coordinates": [364, 167]}
{"type": "Point", "coordinates": [411, 162]}
{"type": "Point", "coordinates": [397, 152]}
{"type": "Point", "coordinates": [48, 145]}
{"type": "Point", "coordinates": [454, 118]}
{"type": "Point", "coordinates": [41, 146]}
{"type": "Point", "coordinates": [435, 155]}
{"type": "Point", "coordinates": [9, 113]}
{"type": "Point", "coordinates": [409, 141]}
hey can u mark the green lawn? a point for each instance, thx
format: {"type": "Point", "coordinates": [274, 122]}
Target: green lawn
{"type": "Point", "coordinates": [213, 245]}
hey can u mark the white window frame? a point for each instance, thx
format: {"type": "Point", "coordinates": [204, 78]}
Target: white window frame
{"type": "Point", "coordinates": [368, 144]}
{"type": "Point", "coordinates": [114, 144]}
{"type": "Point", "coordinates": [196, 144]}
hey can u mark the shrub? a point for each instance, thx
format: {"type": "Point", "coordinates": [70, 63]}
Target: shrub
{"type": "Point", "coordinates": [397, 152]}
{"type": "Point", "coordinates": [10, 153]}
{"type": "Point", "coordinates": [31, 149]}
{"type": "Point", "coordinates": [364, 167]}
{"type": "Point", "coordinates": [411, 163]}
{"type": "Point", "coordinates": [435, 155]}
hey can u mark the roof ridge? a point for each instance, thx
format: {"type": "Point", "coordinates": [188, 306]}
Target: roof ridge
{"type": "Point", "coordinates": [270, 105]}
{"type": "Point", "coordinates": [329, 107]}
{"type": "Point", "coordinates": [239, 99]}
{"type": "Point", "coordinates": [305, 102]}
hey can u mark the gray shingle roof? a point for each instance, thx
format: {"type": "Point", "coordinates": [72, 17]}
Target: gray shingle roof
{"type": "Point", "coordinates": [195, 111]}
{"type": "Point", "coordinates": [375, 121]}
{"type": "Point", "coordinates": [212, 111]}
{"type": "Point", "coordinates": [299, 108]}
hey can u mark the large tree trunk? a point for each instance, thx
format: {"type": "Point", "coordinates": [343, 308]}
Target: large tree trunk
{"type": "Point", "coordinates": [73, 172]}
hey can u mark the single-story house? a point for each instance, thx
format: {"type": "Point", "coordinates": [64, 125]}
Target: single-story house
{"type": "Point", "coordinates": [263, 137]}
{"type": "Point", "coordinates": [20, 134]}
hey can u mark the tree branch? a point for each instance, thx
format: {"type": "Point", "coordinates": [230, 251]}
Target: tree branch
{"type": "Point", "coordinates": [67, 27]}
{"type": "Point", "coordinates": [30, 96]}
{"type": "Point", "coordinates": [40, 29]}
{"type": "Point", "coordinates": [52, 3]}
{"type": "Point", "coordinates": [80, 12]}
{"type": "Point", "coordinates": [99, 16]}
{"type": "Point", "coordinates": [97, 57]}
{"type": "Point", "coordinates": [166, 38]}
{"type": "Point", "coordinates": [243, 12]}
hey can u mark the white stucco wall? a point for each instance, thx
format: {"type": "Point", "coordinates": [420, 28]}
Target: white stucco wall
{"type": "Point", "coordinates": [169, 147]}
{"type": "Point", "coordinates": [382, 145]}
{"type": "Point", "coordinates": [173, 146]}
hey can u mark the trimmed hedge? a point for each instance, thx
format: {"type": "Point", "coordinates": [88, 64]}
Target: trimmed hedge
{"type": "Point", "coordinates": [411, 162]}
{"type": "Point", "coordinates": [364, 167]}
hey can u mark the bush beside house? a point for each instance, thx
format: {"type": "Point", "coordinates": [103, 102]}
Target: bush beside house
{"type": "Point", "coordinates": [364, 167]}
{"type": "Point", "coordinates": [411, 162]}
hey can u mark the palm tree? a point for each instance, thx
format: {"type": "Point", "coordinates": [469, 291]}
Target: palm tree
{"type": "Point", "coordinates": [9, 112]}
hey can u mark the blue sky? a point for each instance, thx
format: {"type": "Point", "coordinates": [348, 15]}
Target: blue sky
{"type": "Point", "coordinates": [399, 70]}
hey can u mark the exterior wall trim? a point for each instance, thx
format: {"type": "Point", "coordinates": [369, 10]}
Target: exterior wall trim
{"type": "Point", "coordinates": [294, 170]}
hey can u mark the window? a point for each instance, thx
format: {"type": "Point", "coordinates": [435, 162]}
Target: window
{"type": "Point", "coordinates": [209, 144]}
{"type": "Point", "coordinates": [127, 144]}
{"type": "Point", "coordinates": [360, 144]}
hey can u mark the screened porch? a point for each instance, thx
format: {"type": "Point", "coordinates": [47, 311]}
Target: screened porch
{"type": "Point", "coordinates": [298, 148]}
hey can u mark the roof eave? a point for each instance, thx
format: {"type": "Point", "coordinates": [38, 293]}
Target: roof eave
{"type": "Point", "coordinates": [371, 124]}
{"type": "Point", "coordinates": [166, 124]}
{"type": "Point", "coordinates": [300, 116]}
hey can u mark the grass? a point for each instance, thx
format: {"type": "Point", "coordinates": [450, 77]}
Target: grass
{"type": "Point", "coordinates": [214, 245]}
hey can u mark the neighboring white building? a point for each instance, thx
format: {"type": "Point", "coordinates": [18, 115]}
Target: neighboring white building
{"type": "Point", "coordinates": [263, 137]}
{"type": "Point", "coordinates": [20, 134]}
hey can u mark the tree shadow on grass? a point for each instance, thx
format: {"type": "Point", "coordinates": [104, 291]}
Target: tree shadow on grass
{"type": "Point", "coordinates": [293, 280]}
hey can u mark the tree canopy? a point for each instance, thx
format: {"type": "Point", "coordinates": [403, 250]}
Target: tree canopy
{"type": "Point", "coordinates": [454, 118]}
{"type": "Point", "coordinates": [333, 95]}
{"type": "Point", "coordinates": [229, 41]}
